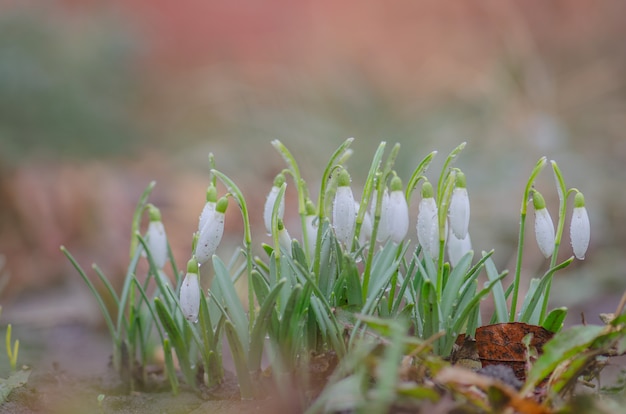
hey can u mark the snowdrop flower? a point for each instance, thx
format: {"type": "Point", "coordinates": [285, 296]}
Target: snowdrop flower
{"type": "Point", "coordinates": [190, 292]}
{"type": "Point", "coordinates": [211, 234]}
{"type": "Point", "coordinates": [579, 229]}
{"type": "Point", "coordinates": [344, 212]}
{"type": "Point", "coordinates": [156, 237]}
{"type": "Point", "coordinates": [544, 228]}
{"type": "Point", "coordinates": [397, 212]}
{"type": "Point", "coordinates": [428, 222]}
{"type": "Point", "coordinates": [209, 206]}
{"type": "Point", "coordinates": [457, 248]}
{"type": "Point", "coordinates": [283, 238]}
{"type": "Point", "coordinates": [271, 200]}
{"type": "Point", "coordinates": [384, 230]}
{"type": "Point", "coordinates": [459, 211]}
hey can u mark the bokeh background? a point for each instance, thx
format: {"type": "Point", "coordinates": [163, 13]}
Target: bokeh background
{"type": "Point", "coordinates": [98, 98]}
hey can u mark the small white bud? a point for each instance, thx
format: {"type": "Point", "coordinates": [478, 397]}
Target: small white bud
{"type": "Point", "coordinates": [428, 222]}
{"type": "Point", "coordinates": [209, 206]}
{"type": "Point", "coordinates": [384, 229]}
{"type": "Point", "coordinates": [344, 213]}
{"type": "Point", "coordinates": [544, 227]}
{"type": "Point", "coordinates": [310, 221]}
{"type": "Point", "coordinates": [211, 234]}
{"type": "Point", "coordinates": [283, 238]}
{"type": "Point", "coordinates": [459, 211]}
{"type": "Point", "coordinates": [271, 200]}
{"type": "Point", "coordinates": [190, 292]}
{"type": "Point", "coordinates": [397, 212]}
{"type": "Point", "coordinates": [579, 230]}
{"type": "Point", "coordinates": [156, 238]}
{"type": "Point", "coordinates": [366, 227]}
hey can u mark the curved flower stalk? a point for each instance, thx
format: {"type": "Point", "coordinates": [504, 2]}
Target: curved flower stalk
{"type": "Point", "coordinates": [190, 292]}
{"type": "Point", "coordinates": [344, 211]}
{"type": "Point", "coordinates": [397, 212]}
{"type": "Point", "coordinates": [209, 206]}
{"type": "Point", "coordinates": [427, 222]}
{"type": "Point", "coordinates": [156, 237]}
{"type": "Point", "coordinates": [457, 248]}
{"type": "Point", "coordinates": [544, 227]}
{"type": "Point", "coordinates": [579, 227]}
{"type": "Point", "coordinates": [459, 211]}
{"type": "Point", "coordinates": [211, 234]}
{"type": "Point", "coordinates": [271, 200]}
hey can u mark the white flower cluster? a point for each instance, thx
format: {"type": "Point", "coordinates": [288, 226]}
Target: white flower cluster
{"type": "Point", "coordinates": [580, 230]}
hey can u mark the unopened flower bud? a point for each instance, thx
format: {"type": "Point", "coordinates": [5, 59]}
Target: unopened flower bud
{"type": "Point", "coordinates": [366, 227]}
{"type": "Point", "coordinates": [384, 229]}
{"type": "Point", "coordinates": [344, 212]}
{"type": "Point", "coordinates": [284, 239]}
{"type": "Point", "coordinates": [544, 228]}
{"type": "Point", "coordinates": [156, 237]}
{"type": "Point", "coordinates": [311, 227]}
{"type": "Point", "coordinates": [190, 292]}
{"type": "Point", "coordinates": [459, 211]}
{"type": "Point", "coordinates": [579, 229]}
{"type": "Point", "coordinates": [271, 200]}
{"type": "Point", "coordinates": [428, 222]}
{"type": "Point", "coordinates": [209, 206]}
{"type": "Point", "coordinates": [397, 212]}
{"type": "Point", "coordinates": [211, 234]}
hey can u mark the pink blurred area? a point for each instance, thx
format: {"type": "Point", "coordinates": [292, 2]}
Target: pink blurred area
{"type": "Point", "coordinates": [194, 56]}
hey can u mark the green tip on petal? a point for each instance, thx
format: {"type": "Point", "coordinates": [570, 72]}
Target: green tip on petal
{"type": "Point", "coordinates": [310, 208]}
{"type": "Point", "coordinates": [281, 225]}
{"type": "Point", "coordinates": [427, 190]}
{"type": "Point", "coordinates": [460, 180]}
{"type": "Point", "coordinates": [344, 178]}
{"type": "Point", "coordinates": [192, 266]}
{"type": "Point", "coordinates": [538, 201]}
{"type": "Point", "coordinates": [211, 194]}
{"type": "Point", "coordinates": [279, 180]}
{"type": "Point", "coordinates": [154, 213]}
{"type": "Point", "coordinates": [396, 184]}
{"type": "Point", "coordinates": [222, 204]}
{"type": "Point", "coordinates": [579, 200]}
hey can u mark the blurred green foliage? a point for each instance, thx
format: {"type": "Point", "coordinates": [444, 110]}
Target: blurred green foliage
{"type": "Point", "coordinates": [67, 86]}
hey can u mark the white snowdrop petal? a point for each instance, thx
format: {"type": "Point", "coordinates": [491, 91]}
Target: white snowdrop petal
{"type": "Point", "coordinates": [544, 232]}
{"type": "Point", "coordinates": [190, 297]}
{"type": "Point", "coordinates": [427, 226]}
{"type": "Point", "coordinates": [457, 248]}
{"type": "Point", "coordinates": [311, 233]}
{"type": "Point", "coordinates": [366, 229]}
{"type": "Point", "coordinates": [157, 243]}
{"type": "Point", "coordinates": [459, 212]}
{"type": "Point", "coordinates": [580, 232]}
{"type": "Point", "coordinates": [210, 237]}
{"type": "Point", "coordinates": [284, 240]}
{"type": "Point", "coordinates": [344, 215]}
{"type": "Point", "coordinates": [207, 210]}
{"type": "Point", "coordinates": [397, 216]}
{"type": "Point", "coordinates": [384, 224]}
{"type": "Point", "coordinates": [269, 207]}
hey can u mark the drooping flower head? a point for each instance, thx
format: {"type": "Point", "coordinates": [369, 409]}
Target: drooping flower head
{"type": "Point", "coordinates": [344, 212]}
{"type": "Point", "coordinates": [284, 239]}
{"type": "Point", "coordinates": [365, 233]}
{"type": "Point", "coordinates": [211, 234]}
{"type": "Point", "coordinates": [428, 222]}
{"type": "Point", "coordinates": [209, 206]}
{"type": "Point", "coordinates": [156, 237]}
{"type": "Point", "coordinates": [579, 229]}
{"type": "Point", "coordinates": [271, 200]}
{"type": "Point", "coordinates": [544, 228]}
{"type": "Point", "coordinates": [397, 212]}
{"type": "Point", "coordinates": [459, 211]}
{"type": "Point", "coordinates": [190, 292]}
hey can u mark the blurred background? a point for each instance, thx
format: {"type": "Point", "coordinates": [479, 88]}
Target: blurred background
{"type": "Point", "coordinates": [98, 98]}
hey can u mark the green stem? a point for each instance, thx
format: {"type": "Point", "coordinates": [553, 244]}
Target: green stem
{"type": "Point", "coordinates": [520, 243]}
